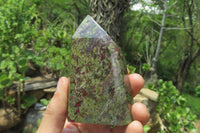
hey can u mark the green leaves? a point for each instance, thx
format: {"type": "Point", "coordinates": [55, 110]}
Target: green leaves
{"type": "Point", "coordinates": [146, 128]}
{"type": "Point", "coordinates": [197, 91]}
{"type": "Point", "coordinates": [131, 69]}
{"type": "Point", "coordinates": [15, 49]}
{"type": "Point", "coordinates": [10, 100]}
{"type": "Point", "coordinates": [27, 101]}
{"type": "Point", "coordinates": [22, 61]}
{"type": "Point", "coordinates": [22, 64]}
{"type": "Point", "coordinates": [146, 67]}
{"type": "Point", "coordinates": [3, 78]}
{"type": "Point", "coordinates": [44, 101]}
{"type": "Point", "coordinates": [173, 109]}
{"type": "Point", "coordinates": [5, 81]}
{"type": "Point", "coordinates": [30, 37]}
{"type": "Point", "coordinates": [55, 57]}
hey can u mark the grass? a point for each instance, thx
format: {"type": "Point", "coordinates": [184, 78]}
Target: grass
{"type": "Point", "coordinates": [194, 103]}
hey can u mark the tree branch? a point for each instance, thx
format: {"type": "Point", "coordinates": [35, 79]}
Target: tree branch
{"type": "Point", "coordinates": [175, 28]}
{"type": "Point", "coordinates": [160, 35]}
{"type": "Point", "coordinates": [198, 43]}
{"type": "Point", "coordinates": [156, 31]}
{"type": "Point", "coordinates": [154, 21]}
{"type": "Point", "coordinates": [172, 4]}
{"type": "Point", "coordinates": [197, 53]}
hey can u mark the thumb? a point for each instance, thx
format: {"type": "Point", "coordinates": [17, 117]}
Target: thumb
{"type": "Point", "coordinates": [56, 112]}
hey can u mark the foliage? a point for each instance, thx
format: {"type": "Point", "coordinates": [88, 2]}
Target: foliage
{"type": "Point", "coordinates": [193, 80]}
{"type": "Point", "coordinates": [146, 128]}
{"type": "Point", "coordinates": [27, 38]}
{"type": "Point", "coordinates": [44, 101]}
{"type": "Point", "coordinates": [27, 101]}
{"type": "Point", "coordinates": [39, 33]}
{"type": "Point", "coordinates": [151, 86]}
{"type": "Point", "coordinates": [52, 45]}
{"type": "Point", "coordinates": [179, 46]}
{"type": "Point", "coordinates": [173, 110]}
{"type": "Point", "coordinates": [139, 39]}
{"type": "Point", "coordinates": [194, 103]}
{"type": "Point", "coordinates": [72, 11]}
{"type": "Point", "coordinates": [197, 91]}
{"type": "Point", "coordinates": [53, 50]}
{"type": "Point", "coordinates": [16, 32]}
{"type": "Point", "coordinates": [131, 69]}
{"type": "Point", "coordinates": [146, 67]}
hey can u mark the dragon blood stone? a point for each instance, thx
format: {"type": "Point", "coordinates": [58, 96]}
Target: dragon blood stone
{"type": "Point", "coordinates": [98, 93]}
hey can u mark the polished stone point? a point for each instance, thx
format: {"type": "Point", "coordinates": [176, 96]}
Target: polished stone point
{"type": "Point", "coordinates": [98, 92]}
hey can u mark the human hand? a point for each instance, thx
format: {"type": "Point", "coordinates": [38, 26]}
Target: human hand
{"type": "Point", "coordinates": [54, 120]}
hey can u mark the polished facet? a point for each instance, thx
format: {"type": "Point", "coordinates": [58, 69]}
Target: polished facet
{"type": "Point", "coordinates": [98, 93]}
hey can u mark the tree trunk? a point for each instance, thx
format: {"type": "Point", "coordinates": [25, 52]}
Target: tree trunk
{"type": "Point", "coordinates": [184, 68]}
{"type": "Point", "coordinates": [192, 47]}
{"type": "Point", "coordinates": [182, 73]}
{"type": "Point", "coordinates": [155, 59]}
{"type": "Point", "coordinates": [108, 14]}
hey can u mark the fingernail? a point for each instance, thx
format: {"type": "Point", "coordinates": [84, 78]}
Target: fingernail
{"type": "Point", "coordinates": [60, 81]}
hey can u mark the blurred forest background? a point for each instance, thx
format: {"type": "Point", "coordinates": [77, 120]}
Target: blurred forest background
{"type": "Point", "coordinates": [160, 40]}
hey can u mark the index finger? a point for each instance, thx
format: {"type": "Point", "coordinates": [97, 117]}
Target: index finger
{"type": "Point", "coordinates": [56, 112]}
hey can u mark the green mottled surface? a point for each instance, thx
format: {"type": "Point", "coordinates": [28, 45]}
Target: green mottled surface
{"type": "Point", "coordinates": [98, 94]}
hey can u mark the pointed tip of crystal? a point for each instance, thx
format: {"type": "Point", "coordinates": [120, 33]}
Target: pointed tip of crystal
{"type": "Point", "coordinates": [89, 28]}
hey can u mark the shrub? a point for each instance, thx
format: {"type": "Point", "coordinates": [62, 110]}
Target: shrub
{"type": "Point", "coordinates": [52, 48]}
{"type": "Point", "coordinates": [176, 116]}
{"type": "Point", "coordinates": [23, 39]}
{"type": "Point", "coordinates": [16, 33]}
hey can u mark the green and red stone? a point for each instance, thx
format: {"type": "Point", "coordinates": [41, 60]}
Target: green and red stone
{"type": "Point", "coordinates": [98, 93]}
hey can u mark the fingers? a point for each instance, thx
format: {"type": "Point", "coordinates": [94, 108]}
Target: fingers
{"type": "Point", "coordinates": [140, 113]}
{"type": "Point", "coordinates": [55, 114]}
{"type": "Point", "coordinates": [136, 83]}
{"type": "Point", "coordinates": [85, 128]}
{"type": "Point", "coordinates": [134, 127]}
{"type": "Point", "coordinates": [70, 128]}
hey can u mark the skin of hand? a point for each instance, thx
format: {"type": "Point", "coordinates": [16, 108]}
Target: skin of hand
{"type": "Point", "coordinates": [54, 119]}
